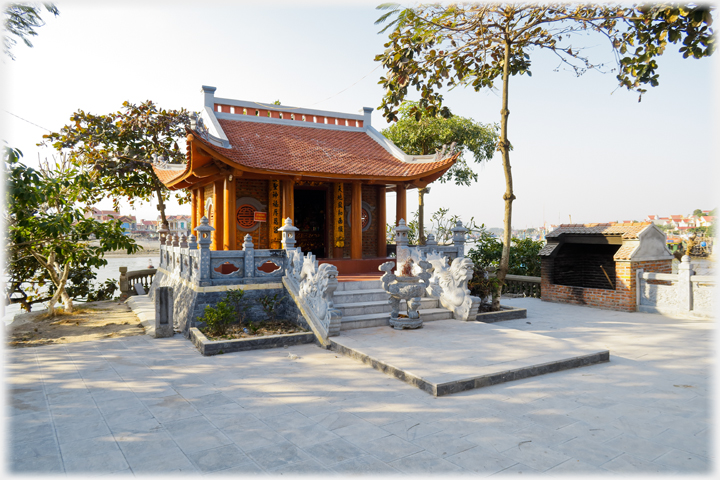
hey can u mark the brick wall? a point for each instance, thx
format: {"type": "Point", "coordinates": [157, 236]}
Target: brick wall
{"type": "Point", "coordinates": [257, 189]}
{"type": "Point", "coordinates": [622, 298]}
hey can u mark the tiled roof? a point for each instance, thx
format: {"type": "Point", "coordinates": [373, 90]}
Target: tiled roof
{"type": "Point", "coordinates": [625, 251]}
{"type": "Point", "coordinates": [167, 175]}
{"type": "Point", "coordinates": [625, 230]}
{"type": "Point", "coordinates": [287, 148]}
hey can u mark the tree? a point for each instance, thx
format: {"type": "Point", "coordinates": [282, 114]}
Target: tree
{"type": "Point", "coordinates": [45, 225]}
{"type": "Point", "coordinates": [434, 46]}
{"type": "Point", "coordinates": [120, 148]}
{"type": "Point", "coordinates": [21, 20]}
{"type": "Point", "coordinates": [423, 134]}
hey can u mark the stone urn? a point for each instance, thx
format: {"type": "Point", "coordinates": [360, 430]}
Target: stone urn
{"type": "Point", "coordinates": [409, 288]}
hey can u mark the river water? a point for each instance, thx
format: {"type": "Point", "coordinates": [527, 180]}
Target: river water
{"type": "Point", "coordinates": [111, 270]}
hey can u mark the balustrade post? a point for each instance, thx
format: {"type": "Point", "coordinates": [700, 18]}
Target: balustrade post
{"type": "Point", "coordinates": [684, 285]}
{"type": "Point", "coordinates": [288, 234]}
{"type": "Point", "coordinates": [204, 231]}
{"type": "Point", "coordinates": [249, 250]}
{"type": "Point", "coordinates": [176, 240]}
{"type": "Point", "coordinates": [162, 233]}
{"type": "Point", "coordinates": [459, 238]}
{"type": "Point", "coordinates": [124, 288]}
{"type": "Point", "coordinates": [638, 286]}
{"type": "Point", "coordinates": [183, 241]}
{"type": "Point", "coordinates": [192, 243]}
{"type": "Point", "coordinates": [401, 241]}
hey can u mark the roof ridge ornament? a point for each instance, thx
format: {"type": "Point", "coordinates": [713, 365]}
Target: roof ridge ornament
{"type": "Point", "coordinates": [198, 125]}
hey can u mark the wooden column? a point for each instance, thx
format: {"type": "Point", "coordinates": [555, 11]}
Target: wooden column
{"type": "Point", "coordinates": [200, 212]}
{"type": "Point", "coordinates": [356, 221]}
{"type": "Point", "coordinates": [338, 220]}
{"type": "Point", "coordinates": [194, 211]}
{"type": "Point", "coordinates": [288, 200]}
{"type": "Point", "coordinates": [381, 221]}
{"type": "Point", "coordinates": [229, 227]}
{"type": "Point", "coordinates": [218, 216]}
{"type": "Point", "coordinates": [401, 210]}
{"type": "Point", "coordinates": [275, 221]}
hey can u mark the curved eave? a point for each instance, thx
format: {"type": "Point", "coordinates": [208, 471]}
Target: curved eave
{"type": "Point", "coordinates": [421, 179]}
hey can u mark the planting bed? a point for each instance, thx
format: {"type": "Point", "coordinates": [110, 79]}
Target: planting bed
{"type": "Point", "coordinates": [505, 313]}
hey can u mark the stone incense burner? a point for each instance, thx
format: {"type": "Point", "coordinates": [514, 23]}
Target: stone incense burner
{"type": "Point", "coordinates": [406, 287]}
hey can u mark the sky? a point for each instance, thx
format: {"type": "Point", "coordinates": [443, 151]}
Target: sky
{"type": "Point", "coordinates": [584, 151]}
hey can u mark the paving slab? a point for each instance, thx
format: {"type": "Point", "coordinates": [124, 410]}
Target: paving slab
{"type": "Point", "coordinates": [447, 356]}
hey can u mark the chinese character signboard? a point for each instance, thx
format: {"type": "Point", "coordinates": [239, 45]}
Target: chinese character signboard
{"type": "Point", "coordinates": [338, 212]}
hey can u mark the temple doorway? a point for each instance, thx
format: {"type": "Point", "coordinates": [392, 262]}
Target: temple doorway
{"type": "Point", "coordinates": [310, 219]}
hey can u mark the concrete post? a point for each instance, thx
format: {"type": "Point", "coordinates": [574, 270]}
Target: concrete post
{"type": "Point", "coordinates": [684, 284]}
{"type": "Point", "coordinates": [162, 232]}
{"type": "Point", "coordinates": [164, 312]}
{"type": "Point", "coordinates": [288, 234]}
{"type": "Point", "coordinates": [401, 242]}
{"type": "Point", "coordinates": [124, 287]}
{"type": "Point", "coordinates": [192, 242]}
{"type": "Point", "coordinates": [459, 238]}
{"type": "Point", "coordinates": [204, 231]}
{"type": "Point", "coordinates": [183, 241]}
{"type": "Point", "coordinates": [249, 250]}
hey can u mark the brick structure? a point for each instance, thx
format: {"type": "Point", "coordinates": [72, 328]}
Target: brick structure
{"type": "Point", "coordinates": [596, 264]}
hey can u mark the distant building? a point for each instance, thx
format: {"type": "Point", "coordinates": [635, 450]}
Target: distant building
{"type": "Point", "coordinates": [178, 224]}
{"type": "Point", "coordinates": [101, 215]}
{"type": "Point", "coordinates": [129, 223]}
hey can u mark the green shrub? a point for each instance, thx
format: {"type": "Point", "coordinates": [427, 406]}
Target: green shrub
{"type": "Point", "coordinates": [270, 305]}
{"type": "Point", "coordinates": [218, 318]}
{"type": "Point", "coordinates": [235, 298]}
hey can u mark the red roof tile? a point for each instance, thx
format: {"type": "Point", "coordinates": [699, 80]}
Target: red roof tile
{"type": "Point", "coordinates": [167, 175]}
{"type": "Point", "coordinates": [625, 230]}
{"type": "Point", "coordinates": [286, 148]}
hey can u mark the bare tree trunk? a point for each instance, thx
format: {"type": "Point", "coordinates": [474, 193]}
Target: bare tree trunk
{"type": "Point", "coordinates": [504, 146]}
{"type": "Point", "coordinates": [161, 208]}
{"type": "Point", "coordinates": [59, 278]}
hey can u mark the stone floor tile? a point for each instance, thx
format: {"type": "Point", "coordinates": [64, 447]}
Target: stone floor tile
{"type": "Point", "coordinates": [361, 432]}
{"type": "Point", "coordinates": [220, 458]}
{"type": "Point", "coordinates": [106, 462]}
{"type": "Point", "coordinates": [683, 462]}
{"type": "Point", "coordinates": [576, 467]}
{"type": "Point", "coordinates": [81, 430]}
{"type": "Point", "coordinates": [594, 432]}
{"type": "Point", "coordinates": [482, 461]}
{"type": "Point", "coordinates": [248, 468]}
{"type": "Point", "coordinates": [209, 401]}
{"type": "Point", "coordinates": [389, 448]}
{"type": "Point", "coordinates": [550, 420]}
{"type": "Point", "coordinates": [30, 430]}
{"type": "Point", "coordinates": [335, 451]}
{"type": "Point", "coordinates": [425, 463]}
{"type": "Point", "coordinates": [335, 420]}
{"type": "Point", "coordinates": [494, 440]}
{"type": "Point", "coordinates": [33, 448]}
{"type": "Point", "coordinates": [308, 435]}
{"type": "Point", "coordinates": [517, 469]}
{"type": "Point", "coordinates": [538, 457]}
{"type": "Point", "coordinates": [540, 435]}
{"type": "Point", "coordinates": [638, 447]}
{"type": "Point", "coordinates": [411, 429]}
{"type": "Point", "coordinates": [170, 408]}
{"type": "Point", "coordinates": [277, 456]}
{"type": "Point", "coordinates": [306, 467]}
{"type": "Point", "coordinates": [248, 439]}
{"type": "Point", "coordinates": [628, 464]}
{"type": "Point", "coordinates": [444, 444]}
{"type": "Point", "coordinates": [288, 421]}
{"type": "Point", "coordinates": [43, 464]}
{"type": "Point", "coordinates": [167, 462]}
{"type": "Point", "coordinates": [639, 428]}
{"type": "Point", "coordinates": [589, 451]}
{"type": "Point", "coordinates": [364, 465]}
{"type": "Point", "coordinates": [684, 441]}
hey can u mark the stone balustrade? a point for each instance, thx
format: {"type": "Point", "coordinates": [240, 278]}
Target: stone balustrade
{"type": "Point", "coordinates": [683, 292]}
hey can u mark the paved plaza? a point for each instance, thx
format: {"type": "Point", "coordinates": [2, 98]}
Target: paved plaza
{"type": "Point", "coordinates": [139, 405]}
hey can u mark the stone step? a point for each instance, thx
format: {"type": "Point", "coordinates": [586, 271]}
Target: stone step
{"type": "Point", "coordinates": [380, 306]}
{"type": "Point", "coordinates": [360, 296]}
{"type": "Point", "coordinates": [359, 285]}
{"type": "Point", "coordinates": [380, 319]}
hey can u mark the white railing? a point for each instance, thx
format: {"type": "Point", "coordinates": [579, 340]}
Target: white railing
{"type": "Point", "coordinates": [683, 292]}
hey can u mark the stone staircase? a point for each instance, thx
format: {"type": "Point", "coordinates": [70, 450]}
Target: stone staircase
{"type": "Point", "coordinates": [365, 304]}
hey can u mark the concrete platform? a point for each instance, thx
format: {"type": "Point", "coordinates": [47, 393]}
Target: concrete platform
{"type": "Point", "coordinates": [448, 356]}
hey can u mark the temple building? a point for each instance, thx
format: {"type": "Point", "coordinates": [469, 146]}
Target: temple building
{"type": "Point", "coordinates": [251, 165]}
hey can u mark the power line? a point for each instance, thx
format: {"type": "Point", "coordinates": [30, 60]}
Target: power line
{"type": "Point", "coordinates": [341, 91]}
{"type": "Point", "coordinates": [28, 121]}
